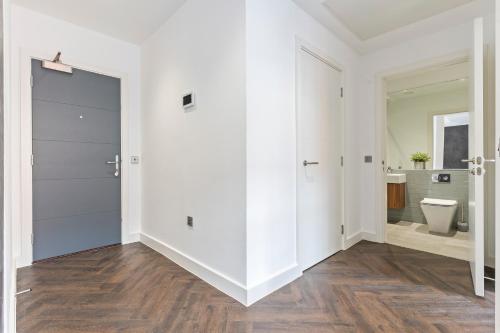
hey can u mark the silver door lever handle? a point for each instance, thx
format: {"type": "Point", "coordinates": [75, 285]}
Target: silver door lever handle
{"type": "Point", "coordinates": [306, 163]}
{"type": "Point", "coordinates": [116, 162]}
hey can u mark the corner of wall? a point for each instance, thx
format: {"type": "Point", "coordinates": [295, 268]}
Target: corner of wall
{"type": "Point", "coordinates": [246, 295]}
{"type": "Point", "coordinates": [216, 279]}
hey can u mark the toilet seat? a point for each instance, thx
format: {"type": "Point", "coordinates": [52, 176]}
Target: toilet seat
{"type": "Point", "coordinates": [439, 202]}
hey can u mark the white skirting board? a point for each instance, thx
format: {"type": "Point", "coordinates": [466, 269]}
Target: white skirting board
{"type": "Point", "coordinates": [358, 237]}
{"type": "Point", "coordinates": [209, 275]}
{"type": "Point", "coordinates": [234, 289]}
{"type": "Point", "coordinates": [132, 238]}
{"type": "Point", "coordinates": [372, 237]}
{"type": "Point", "coordinates": [353, 240]}
{"type": "Point", "coordinates": [273, 283]}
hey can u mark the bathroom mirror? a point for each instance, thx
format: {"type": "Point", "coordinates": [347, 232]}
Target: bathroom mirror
{"type": "Point", "coordinates": [427, 112]}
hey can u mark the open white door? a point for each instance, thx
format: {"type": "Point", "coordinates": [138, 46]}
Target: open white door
{"type": "Point", "coordinates": [497, 166]}
{"type": "Point", "coordinates": [476, 175]}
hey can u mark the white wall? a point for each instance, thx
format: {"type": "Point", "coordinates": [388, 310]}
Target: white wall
{"type": "Point", "coordinates": [272, 28]}
{"type": "Point", "coordinates": [38, 34]}
{"type": "Point", "coordinates": [9, 269]}
{"type": "Point", "coordinates": [194, 162]}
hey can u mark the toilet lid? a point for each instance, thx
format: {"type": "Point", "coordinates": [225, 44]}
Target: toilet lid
{"type": "Point", "coordinates": [438, 202]}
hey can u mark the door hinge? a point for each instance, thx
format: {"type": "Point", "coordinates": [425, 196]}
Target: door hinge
{"type": "Point", "coordinates": [32, 160]}
{"type": "Point", "coordinates": [342, 228]}
{"type": "Point", "coordinates": [32, 84]}
{"type": "Point", "coordinates": [342, 92]}
{"type": "Point", "coordinates": [32, 239]}
{"type": "Point", "coordinates": [341, 161]}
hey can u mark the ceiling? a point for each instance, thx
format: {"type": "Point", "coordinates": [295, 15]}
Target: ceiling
{"type": "Point", "coordinates": [368, 19]}
{"type": "Point", "coordinates": [459, 85]}
{"type": "Point", "coordinates": [132, 20]}
{"type": "Point", "coordinates": [444, 78]}
{"type": "Point", "coordinates": [360, 23]}
{"type": "Point", "coordinates": [368, 25]}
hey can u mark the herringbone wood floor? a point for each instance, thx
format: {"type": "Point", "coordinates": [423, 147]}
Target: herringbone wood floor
{"type": "Point", "coordinates": [368, 288]}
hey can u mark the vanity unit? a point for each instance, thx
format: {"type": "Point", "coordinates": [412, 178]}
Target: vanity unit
{"type": "Point", "coordinates": [396, 191]}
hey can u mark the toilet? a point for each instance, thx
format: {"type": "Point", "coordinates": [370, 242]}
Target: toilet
{"type": "Point", "coordinates": [439, 214]}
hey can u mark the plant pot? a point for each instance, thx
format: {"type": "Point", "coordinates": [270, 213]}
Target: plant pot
{"type": "Point", "coordinates": [419, 165]}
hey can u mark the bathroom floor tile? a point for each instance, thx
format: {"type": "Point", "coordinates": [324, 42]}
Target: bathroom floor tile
{"type": "Point", "coordinates": [416, 236]}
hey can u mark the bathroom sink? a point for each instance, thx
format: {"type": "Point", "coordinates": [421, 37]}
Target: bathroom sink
{"type": "Point", "coordinates": [396, 178]}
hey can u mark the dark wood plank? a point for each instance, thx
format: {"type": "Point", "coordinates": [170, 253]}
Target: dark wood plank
{"type": "Point", "coordinates": [396, 196]}
{"type": "Point", "coordinates": [368, 288]}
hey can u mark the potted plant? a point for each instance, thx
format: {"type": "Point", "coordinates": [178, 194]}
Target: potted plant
{"type": "Point", "coordinates": [420, 159]}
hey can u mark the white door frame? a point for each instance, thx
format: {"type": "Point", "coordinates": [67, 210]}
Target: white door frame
{"type": "Point", "coordinates": [302, 45]}
{"type": "Point", "coordinates": [25, 256]}
{"type": "Point", "coordinates": [497, 158]}
{"type": "Point", "coordinates": [381, 128]}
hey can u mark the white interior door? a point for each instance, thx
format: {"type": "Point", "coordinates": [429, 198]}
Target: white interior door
{"type": "Point", "coordinates": [319, 127]}
{"type": "Point", "coordinates": [476, 175]}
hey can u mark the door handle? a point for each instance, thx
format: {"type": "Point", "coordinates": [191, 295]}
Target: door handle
{"type": "Point", "coordinates": [477, 171]}
{"type": "Point", "coordinates": [472, 160]}
{"type": "Point", "coordinates": [116, 162]}
{"type": "Point", "coordinates": [479, 160]}
{"type": "Point", "coordinates": [306, 163]}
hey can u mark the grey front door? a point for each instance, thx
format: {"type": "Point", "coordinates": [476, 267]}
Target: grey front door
{"type": "Point", "coordinates": [76, 134]}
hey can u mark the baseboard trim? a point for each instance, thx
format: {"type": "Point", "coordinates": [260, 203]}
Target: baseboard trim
{"type": "Point", "coordinates": [353, 240]}
{"type": "Point", "coordinates": [369, 236]}
{"type": "Point", "coordinates": [216, 279]}
{"type": "Point", "coordinates": [244, 295]}
{"type": "Point", "coordinates": [273, 283]}
{"type": "Point", "coordinates": [132, 238]}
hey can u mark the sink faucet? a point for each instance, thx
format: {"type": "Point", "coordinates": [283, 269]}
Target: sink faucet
{"type": "Point", "coordinates": [389, 170]}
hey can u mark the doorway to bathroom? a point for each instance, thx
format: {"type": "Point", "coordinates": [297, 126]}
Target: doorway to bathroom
{"type": "Point", "coordinates": [427, 140]}
{"type": "Point", "coordinates": [433, 173]}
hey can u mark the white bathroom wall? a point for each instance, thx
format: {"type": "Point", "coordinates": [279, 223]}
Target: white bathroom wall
{"type": "Point", "coordinates": [33, 33]}
{"type": "Point", "coordinates": [194, 163]}
{"type": "Point", "coordinates": [272, 29]}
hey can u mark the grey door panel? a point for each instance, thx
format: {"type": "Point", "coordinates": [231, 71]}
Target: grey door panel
{"type": "Point", "coordinates": [79, 231]}
{"type": "Point", "coordinates": [80, 88]}
{"type": "Point", "coordinates": [55, 121]}
{"type": "Point", "coordinates": [76, 130]}
{"type": "Point", "coordinates": [59, 198]}
{"type": "Point", "coordinates": [67, 160]}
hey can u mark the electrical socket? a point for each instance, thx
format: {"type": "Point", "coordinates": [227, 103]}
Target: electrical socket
{"type": "Point", "coordinates": [190, 221]}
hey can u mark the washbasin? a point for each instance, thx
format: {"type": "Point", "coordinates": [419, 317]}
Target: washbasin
{"type": "Point", "coordinates": [396, 178]}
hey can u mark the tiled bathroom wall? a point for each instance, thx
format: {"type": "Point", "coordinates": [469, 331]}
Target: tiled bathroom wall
{"type": "Point", "coordinates": [419, 185]}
